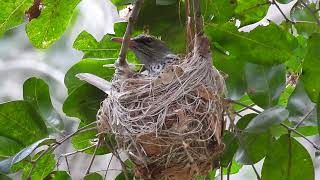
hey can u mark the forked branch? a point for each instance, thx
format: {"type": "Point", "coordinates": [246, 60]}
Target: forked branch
{"type": "Point", "coordinates": [127, 35]}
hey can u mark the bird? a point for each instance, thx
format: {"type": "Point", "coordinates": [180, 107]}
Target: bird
{"type": "Point", "coordinates": [151, 51]}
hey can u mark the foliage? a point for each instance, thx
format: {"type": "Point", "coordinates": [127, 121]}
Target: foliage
{"type": "Point", "coordinates": [258, 66]}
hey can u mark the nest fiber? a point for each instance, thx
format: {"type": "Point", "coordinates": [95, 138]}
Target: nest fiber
{"type": "Point", "coordinates": [170, 125]}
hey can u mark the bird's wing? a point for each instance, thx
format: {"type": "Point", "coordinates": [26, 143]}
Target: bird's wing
{"type": "Point", "coordinates": [96, 81]}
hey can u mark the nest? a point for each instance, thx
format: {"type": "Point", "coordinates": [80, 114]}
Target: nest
{"type": "Point", "coordinates": [170, 125]}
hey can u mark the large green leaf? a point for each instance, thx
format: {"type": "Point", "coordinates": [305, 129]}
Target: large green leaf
{"type": "Point", "coordinates": [266, 119]}
{"type": "Point", "coordinates": [8, 147]}
{"type": "Point", "coordinates": [252, 147]}
{"type": "Point", "coordinates": [263, 45]}
{"type": "Point", "coordinates": [251, 11]}
{"type": "Point", "coordinates": [265, 83]}
{"type": "Point", "coordinates": [287, 159]}
{"type": "Point", "coordinates": [311, 68]}
{"type": "Point", "coordinates": [84, 103]}
{"type": "Point", "coordinates": [44, 166]}
{"type": "Point", "coordinates": [217, 11]}
{"type": "Point", "coordinates": [6, 164]}
{"type": "Point", "coordinates": [231, 146]}
{"type": "Point", "coordinates": [306, 23]}
{"type": "Point", "coordinates": [12, 13]}
{"type": "Point", "coordinates": [87, 66]}
{"type": "Point", "coordinates": [20, 122]}
{"type": "Point", "coordinates": [234, 68]}
{"type": "Point", "coordinates": [52, 22]}
{"type": "Point", "coordinates": [167, 22]}
{"type": "Point", "coordinates": [36, 92]}
{"type": "Point", "coordinates": [301, 108]}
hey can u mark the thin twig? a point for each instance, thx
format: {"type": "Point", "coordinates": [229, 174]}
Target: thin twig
{"type": "Point", "coordinates": [256, 172]}
{"type": "Point", "coordinates": [301, 135]}
{"type": "Point", "coordinates": [67, 163]}
{"type": "Point", "coordinates": [244, 105]}
{"type": "Point", "coordinates": [105, 175]}
{"type": "Point", "coordinates": [126, 38]}
{"type": "Point", "coordinates": [229, 170]}
{"type": "Point", "coordinates": [93, 156]}
{"type": "Point", "coordinates": [303, 119]}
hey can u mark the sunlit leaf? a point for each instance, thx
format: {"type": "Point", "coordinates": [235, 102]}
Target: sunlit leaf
{"type": "Point", "coordinates": [44, 166]}
{"type": "Point", "coordinates": [218, 11]}
{"type": "Point", "coordinates": [235, 168]}
{"type": "Point", "coordinates": [12, 13]}
{"type": "Point", "coordinates": [20, 122]}
{"type": "Point", "coordinates": [58, 175]}
{"type": "Point", "coordinates": [52, 22]}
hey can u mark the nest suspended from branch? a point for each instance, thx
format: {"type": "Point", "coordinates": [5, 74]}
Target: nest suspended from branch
{"type": "Point", "coordinates": [170, 124]}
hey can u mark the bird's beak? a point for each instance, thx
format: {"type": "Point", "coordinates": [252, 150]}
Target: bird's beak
{"type": "Point", "coordinates": [120, 40]}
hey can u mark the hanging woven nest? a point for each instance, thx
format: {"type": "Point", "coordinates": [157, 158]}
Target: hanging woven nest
{"type": "Point", "coordinates": [170, 125]}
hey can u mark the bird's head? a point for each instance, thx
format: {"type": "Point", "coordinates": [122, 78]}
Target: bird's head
{"type": "Point", "coordinates": [147, 48]}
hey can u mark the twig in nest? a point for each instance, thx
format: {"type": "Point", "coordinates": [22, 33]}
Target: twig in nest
{"type": "Point", "coordinates": [198, 21]}
{"type": "Point", "coordinates": [126, 38]}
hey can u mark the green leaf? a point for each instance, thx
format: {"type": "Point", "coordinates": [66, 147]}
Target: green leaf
{"type": "Point", "coordinates": [166, 22]}
{"type": "Point", "coordinates": [318, 112]}
{"type": "Point", "coordinates": [52, 22]}
{"type": "Point", "coordinates": [4, 177]}
{"type": "Point", "coordinates": [305, 22]}
{"type": "Point", "coordinates": [88, 139]}
{"type": "Point", "coordinates": [58, 175]}
{"type": "Point", "coordinates": [6, 164]}
{"type": "Point", "coordinates": [36, 92]}
{"type": "Point", "coordinates": [231, 146]}
{"type": "Point", "coordinates": [93, 176]}
{"type": "Point", "coordinates": [235, 168]}
{"type": "Point", "coordinates": [20, 122]}
{"type": "Point", "coordinates": [122, 2]}
{"type": "Point", "coordinates": [218, 11]}
{"type": "Point", "coordinates": [12, 13]}
{"type": "Point", "coordinates": [235, 82]}
{"type": "Point", "coordinates": [266, 119]}
{"type": "Point", "coordinates": [311, 68]}
{"type": "Point", "coordinates": [264, 45]}
{"type": "Point", "coordinates": [44, 166]}
{"type": "Point", "coordinates": [301, 108]}
{"type": "Point", "coordinates": [8, 147]}
{"type": "Point", "coordinates": [244, 100]}
{"type": "Point", "coordinates": [284, 97]}
{"type": "Point", "coordinates": [87, 66]}
{"type": "Point", "coordinates": [252, 147]}
{"type": "Point", "coordinates": [265, 83]}
{"type": "Point", "coordinates": [287, 159]}
{"type": "Point", "coordinates": [251, 11]}
{"type": "Point", "coordinates": [84, 103]}
{"type": "Point", "coordinates": [105, 49]}
{"type": "Point", "coordinates": [121, 176]}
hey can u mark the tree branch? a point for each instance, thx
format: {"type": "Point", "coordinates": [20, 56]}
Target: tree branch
{"type": "Point", "coordinates": [127, 35]}
{"type": "Point", "coordinates": [284, 16]}
{"type": "Point", "coordinates": [198, 22]}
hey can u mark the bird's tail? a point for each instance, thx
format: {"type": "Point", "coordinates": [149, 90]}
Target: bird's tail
{"type": "Point", "coordinates": [96, 81]}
